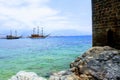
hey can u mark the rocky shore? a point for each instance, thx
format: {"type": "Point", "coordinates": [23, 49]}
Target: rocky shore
{"type": "Point", "coordinates": [98, 63]}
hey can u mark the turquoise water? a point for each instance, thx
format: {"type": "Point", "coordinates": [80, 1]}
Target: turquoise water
{"type": "Point", "coordinates": [40, 55]}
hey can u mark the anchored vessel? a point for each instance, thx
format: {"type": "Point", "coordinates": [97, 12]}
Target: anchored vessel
{"type": "Point", "coordinates": [13, 36]}
{"type": "Point", "coordinates": [37, 35]}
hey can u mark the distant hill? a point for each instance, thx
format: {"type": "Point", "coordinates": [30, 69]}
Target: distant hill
{"type": "Point", "coordinates": [68, 33]}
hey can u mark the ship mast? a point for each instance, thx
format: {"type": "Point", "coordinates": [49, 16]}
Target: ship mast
{"type": "Point", "coordinates": [10, 32]}
{"type": "Point", "coordinates": [38, 30]}
{"type": "Point", "coordinates": [33, 30]}
{"type": "Point", "coordinates": [15, 33]}
{"type": "Point", "coordinates": [42, 31]}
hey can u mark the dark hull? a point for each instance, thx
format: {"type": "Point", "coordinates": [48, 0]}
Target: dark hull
{"type": "Point", "coordinates": [13, 37]}
{"type": "Point", "coordinates": [38, 36]}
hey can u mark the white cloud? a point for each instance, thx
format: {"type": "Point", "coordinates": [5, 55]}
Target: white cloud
{"type": "Point", "coordinates": [30, 13]}
{"type": "Point", "coordinates": [22, 3]}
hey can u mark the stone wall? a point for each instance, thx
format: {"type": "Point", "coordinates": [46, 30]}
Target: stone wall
{"type": "Point", "coordinates": [106, 22]}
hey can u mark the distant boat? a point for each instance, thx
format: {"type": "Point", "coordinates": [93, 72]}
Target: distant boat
{"type": "Point", "coordinates": [13, 36]}
{"type": "Point", "coordinates": [37, 35]}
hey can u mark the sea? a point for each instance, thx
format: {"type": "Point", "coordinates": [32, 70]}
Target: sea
{"type": "Point", "coordinates": [42, 56]}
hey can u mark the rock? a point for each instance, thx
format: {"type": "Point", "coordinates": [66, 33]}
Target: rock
{"type": "Point", "coordinates": [99, 63]}
{"type": "Point", "coordinates": [48, 75]}
{"type": "Point", "coordinates": [64, 75]}
{"type": "Point", "coordinates": [68, 75]}
{"type": "Point", "coordinates": [22, 75]}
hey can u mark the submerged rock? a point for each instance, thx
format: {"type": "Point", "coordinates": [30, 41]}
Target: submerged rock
{"type": "Point", "coordinates": [22, 75]}
{"type": "Point", "coordinates": [99, 63]}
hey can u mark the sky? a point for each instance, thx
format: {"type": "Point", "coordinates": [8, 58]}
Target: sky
{"type": "Point", "coordinates": [57, 17]}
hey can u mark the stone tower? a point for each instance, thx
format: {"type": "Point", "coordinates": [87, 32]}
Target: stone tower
{"type": "Point", "coordinates": [106, 23]}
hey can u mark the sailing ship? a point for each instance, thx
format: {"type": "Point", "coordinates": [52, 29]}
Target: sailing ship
{"type": "Point", "coordinates": [13, 36]}
{"type": "Point", "coordinates": [37, 35]}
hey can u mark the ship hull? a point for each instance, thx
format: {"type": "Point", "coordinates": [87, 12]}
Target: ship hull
{"type": "Point", "coordinates": [36, 36]}
{"type": "Point", "coordinates": [13, 37]}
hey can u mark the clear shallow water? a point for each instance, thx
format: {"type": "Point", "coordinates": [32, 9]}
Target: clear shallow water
{"type": "Point", "coordinates": [40, 55]}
